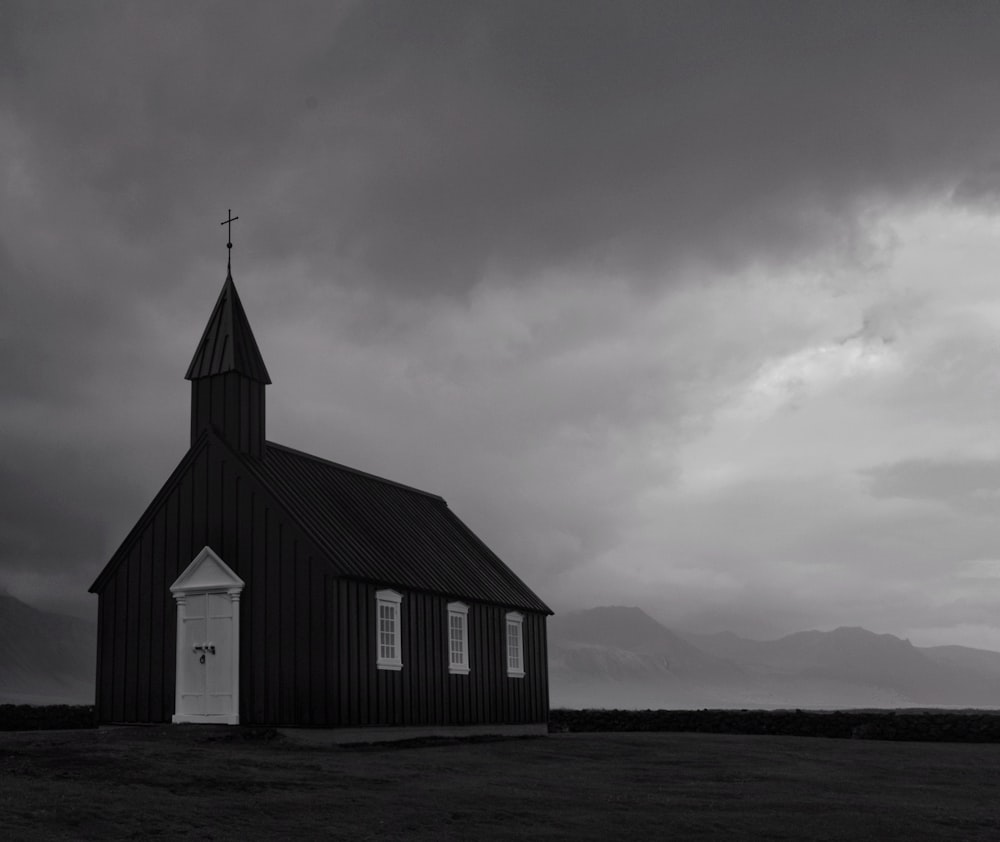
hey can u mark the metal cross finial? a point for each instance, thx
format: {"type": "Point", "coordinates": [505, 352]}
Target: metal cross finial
{"type": "Point", "coordinates": [229, 245]}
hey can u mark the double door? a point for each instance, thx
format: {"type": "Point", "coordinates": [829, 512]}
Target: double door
{"type": "Point", "coordinates": [205, 660]}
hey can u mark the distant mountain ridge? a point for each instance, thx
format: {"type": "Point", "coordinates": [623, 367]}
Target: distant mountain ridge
{"type": "Point", "coordinates": [45, 658]}
{"type": "Point", "coordinates": [616, 656]}
{"type": "Point", "coordinates": [610, 657]}
{"type": "Point", "coordinates": [633, 630]}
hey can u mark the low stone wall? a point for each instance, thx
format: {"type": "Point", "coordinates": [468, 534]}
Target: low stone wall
{"type": "Point", "coordinates": [967, 726]}
{"type": "Point", "coordinates": [933, 725]}
{"type": "Point", "coordinates": [45, 717]}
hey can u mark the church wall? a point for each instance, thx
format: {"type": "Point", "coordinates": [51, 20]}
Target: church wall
{"type": "Point", "coordinates": [137, 614]}
{"type": "Point", "coordinates": [307, 638]}
{"type": "Point", "coordinates": [424, 692]}
{"type": "Point", "coordinates": [214, 503]}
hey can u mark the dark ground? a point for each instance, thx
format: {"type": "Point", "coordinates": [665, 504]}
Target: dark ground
{"type": "Point", "coordinates": [217, 783]}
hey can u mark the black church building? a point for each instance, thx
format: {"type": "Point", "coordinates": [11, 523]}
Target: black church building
{"type": "Point", "coordinates": [266, 586]}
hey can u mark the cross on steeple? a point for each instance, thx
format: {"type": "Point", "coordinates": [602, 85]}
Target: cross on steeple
{"type": "Point", "coordinates": [229, 245]}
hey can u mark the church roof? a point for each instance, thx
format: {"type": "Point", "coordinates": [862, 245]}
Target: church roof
{"type": "Point", "coordinates": [369, 528]}
{"type": "Point", "coordinates": [382, 531]}
{"type": "Point", "coordinates": [228, 343]}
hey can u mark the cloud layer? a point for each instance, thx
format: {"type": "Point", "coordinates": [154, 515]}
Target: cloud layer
{"type": "Point", "coordinates": [682, 304]}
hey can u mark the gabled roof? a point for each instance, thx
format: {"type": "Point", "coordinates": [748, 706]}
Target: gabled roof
{"type": "Point", "coordinates": [378, 530]}
{"type": "Point", "coordinates": [228, 343]}
{"type": "Point", "coordinates": [368, 528]}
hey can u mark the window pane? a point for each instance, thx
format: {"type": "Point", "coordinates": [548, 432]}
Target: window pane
{"type": "Point", "coordinates": [513, 646]}
{"type": "Point", "coordinates": [456, 639]}
{"type": "Point", "coordinates": [387, 631]}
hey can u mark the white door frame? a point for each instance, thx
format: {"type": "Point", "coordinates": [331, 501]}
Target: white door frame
{"type": "Point", "coordinates": [208, 574]}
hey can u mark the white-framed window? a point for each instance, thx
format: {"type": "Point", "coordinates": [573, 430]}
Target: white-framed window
{"type": "Point", "coordinates": [515, 645]}
{"type": "Point", "coordinates": [388, 630]}
{"type": "Point", "coordinates": [458, 638]}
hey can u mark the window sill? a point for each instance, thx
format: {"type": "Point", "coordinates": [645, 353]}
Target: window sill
{"type": "Point", "coordinates": [458, 670]}
{"type": "Point", "coordinates": [515, 673]}
{"type": "Point", "coordinates": [392, 667]}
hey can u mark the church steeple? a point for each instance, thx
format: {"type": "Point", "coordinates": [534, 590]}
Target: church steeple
{"type": "Point", "coordinates": [228, 376]}
{"type": "Point", "coordinates": [228, 343]}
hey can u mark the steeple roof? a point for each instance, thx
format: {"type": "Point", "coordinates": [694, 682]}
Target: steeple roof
{"type": "Point", "coordinates": [228, 343]}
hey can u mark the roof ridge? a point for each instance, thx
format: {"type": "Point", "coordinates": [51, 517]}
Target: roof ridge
{"type": "Point", "coordinates": [349, 469]}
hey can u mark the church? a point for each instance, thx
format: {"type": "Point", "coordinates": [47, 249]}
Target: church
{"type": "Point", "coordinates": [266, 586]}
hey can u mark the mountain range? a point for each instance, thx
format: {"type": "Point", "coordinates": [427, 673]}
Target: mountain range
{"type": "Point", "coordinates": [45, 658]}
{"type": "Point", "coordinates": [610, 657]}
{"type": "Point", "coordinates": [622, 657]}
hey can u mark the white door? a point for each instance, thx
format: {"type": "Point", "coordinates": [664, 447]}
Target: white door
{"type": "Point", "coordinates": [208, 641]}
{"type": "Point", "coordinates": [206, 676]}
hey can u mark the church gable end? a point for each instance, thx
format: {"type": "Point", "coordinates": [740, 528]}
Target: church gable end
{"type": "Point", "coordinates": [212, 500]}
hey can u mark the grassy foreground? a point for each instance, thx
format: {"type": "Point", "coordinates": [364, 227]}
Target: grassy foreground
{"type": "Point", "coordinates": [215, 783]}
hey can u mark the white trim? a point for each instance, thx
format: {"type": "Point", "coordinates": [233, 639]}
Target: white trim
{"type": "Point", "coordinates": [234, 598]}
{"type": "Point", "coordinates": [389, 599]}
{"type": "Point", "coordinates": [514, 619]}
{"type": "Point", "coordinates": [192, 719]}
{"type": "Point", "coordinates": [461, 611]}
{"type": "Point", "coordinates": [206, 574]}
{"type": "Point", "coordinates": [179, 597]}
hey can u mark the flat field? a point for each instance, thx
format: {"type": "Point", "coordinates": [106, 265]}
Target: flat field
{"type": "Point", "coordinates": [189, 782]}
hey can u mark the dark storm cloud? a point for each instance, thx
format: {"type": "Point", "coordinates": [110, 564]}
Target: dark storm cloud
{"type": "Point", "coordinates": [429, 144]}
{"type": "Point", "coordinates": [430, 149]}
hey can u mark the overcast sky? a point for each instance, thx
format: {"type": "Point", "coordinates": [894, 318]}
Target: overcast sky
{"type": "Point", "coordinates": [691, 306]}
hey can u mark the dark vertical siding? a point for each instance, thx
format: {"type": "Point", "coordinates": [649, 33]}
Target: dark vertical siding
{"type": "Point", "coordinates": [283, 652]}
{"type": "Point", "coordinates": [435, 668]}
{"type": "Point", "coordinates": [350, 657]}
{"type": "Point", "coordinates": [424, 692]}
{"type": "Point", "coordinates": [132, 576]}
{"type": "Point", "coordinates": [308, 640]}
{"type": "Point", "coordinates": [318, 637]}
{"type": "Point", "coordinates": [477, 631]}
{"type": "Point", "coordinates": [302, 642]}
{"type": "Point", "coordinates": [258, 656]}
{"type": "Point", "coordinates": [234, 406]}
{"type": "Point", "coordinates": [486, 655]}
{"type": "Point", "coordinates": [257, 428]}
{"type": "Point", "coordinates": [343, 649]}
{"type": "Point", "coordinates": [144, 610]}
{"type": "Point", "coordinates": [286, 638]}
{"type": "Point", "coordinates": [121, 639]}
{"type": "Point", "coordinates": [231, 395]}
{"type": "Point", "coordinates": [171, 528]}
{"type": "Point", "coordinates": [243, 550]}
{"type": "Point", "coordinates": [334, 674]}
